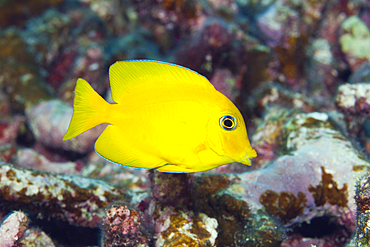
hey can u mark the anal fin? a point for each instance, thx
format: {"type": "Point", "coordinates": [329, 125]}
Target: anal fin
{"type": "Point", "coordinates": [174, 168]}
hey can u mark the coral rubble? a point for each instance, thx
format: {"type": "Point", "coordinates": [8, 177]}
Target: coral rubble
{"type": "Point", "coordinates": [12, 229]}
{"type": "Point", "coordinates": [122, 227]}
{"type": "Point", "coordinates": [354, 101]}
{"type": "Point", "coordinates": [237, 224]}
{"type": "Point", "coordinates": [354, 98]}
{"type": "Point", "coordinates": [297, 70]}
{"type": "Point", "coordinates": [363, 214]}
{"type": "Point", "coordinates": [172, 212]}
{"type": "Point", "coordinates": [181, 228]}
{"type": "Point", "coordinates": [35, 238]}
{"type": "Point", "coordinates": [355, 41]}
{"type": "Point", "coordinates": [77, 200]}
{"type": "Point", "coordinates": [307, 138]}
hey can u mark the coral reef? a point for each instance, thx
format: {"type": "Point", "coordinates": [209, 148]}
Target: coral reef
{"type": "Point", "coordinates": [224, 81]}
{"type": "Point", "coordinates": [13, 13]}
{"type": "Point", "coordinates": [122, 227]}
{"type": "Point", "coordinates": [322, 71]}
{"type": "Point", "coordinates": [9, 129]}
{"type": "Point", "coordinates": [21, 78]}
{"type": "Point", "coordinates": [353, 100]}
{"type": "Point", "coordinates": [261, 231]}
{"type": "Point", "coordinates": [361, 74]}
{"type": "Point", "coordinates": [172, 14]}
{"type": "Point", "coordinates": [36, 238]}
{"type": "Point", "coordinates": [212, 40]}
{"type": "Point", "coordinates": [77, 200]}
{"type": "Point", "coordinates": [133, 179]}
{"type": "Point", "coordinates": [181, 228]}
{"type": "Point", "coordinates": [237, 224]}
{"type": "Point", "coordinates": [12, 229]}
{"type": "Point", "coordinates": [49, 121]}
{"type": "Point", "coordinates": [297, 70]}
{"type": "Point", "coordinates": [363, 214]}
{"type": "Point", "coordinates": [282, 37]}
{"type": "Point", "coordinates": [28, 158]}
{"type": "Point", "coordinates": [177, 221]}
{"type": "Point", "coordinates": [90, 67]}
{"type": "Point", "coordinates": [284, 204]}
{"type": "Point", "coordinates": [355, 41]}
{"type": "Point", "coordinates": [307, 138]}
{"type": "Point", "coordinates": [327, 191]}
{"type": "Point", "coordinates": [46, 36]}
{"type": "Point", "coordinates": [171, 189]}
{"type": "Point", "coordinates": [118, 17]}
{"type": "Point", "coordinates": [269, 135]}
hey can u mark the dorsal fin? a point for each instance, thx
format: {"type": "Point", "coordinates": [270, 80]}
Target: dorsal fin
{"type": "Point", "coordinates": [131, 76]}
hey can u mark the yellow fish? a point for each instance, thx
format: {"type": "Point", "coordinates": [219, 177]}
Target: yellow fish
{"type": "Point", "coordinates": [165, 117]}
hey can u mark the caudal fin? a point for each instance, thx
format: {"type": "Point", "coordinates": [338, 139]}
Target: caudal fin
{"type": "Point", "coordinates": [89, 109]}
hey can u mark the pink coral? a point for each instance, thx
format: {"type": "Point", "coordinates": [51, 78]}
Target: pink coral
{"type": "Point", "coordinates": [12, 229]}
{"type": "Point", "coordinates": [123, 228]}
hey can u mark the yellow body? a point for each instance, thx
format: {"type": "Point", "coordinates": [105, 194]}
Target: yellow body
{"type": "Point", "coordinates": [166, 117]}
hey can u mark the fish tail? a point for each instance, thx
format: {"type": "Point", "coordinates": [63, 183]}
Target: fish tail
{"type": "Point", "coordinates": [89, 110]}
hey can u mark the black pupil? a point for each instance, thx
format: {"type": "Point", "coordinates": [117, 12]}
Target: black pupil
{"type": "Point", "coordinates": [228, 123]}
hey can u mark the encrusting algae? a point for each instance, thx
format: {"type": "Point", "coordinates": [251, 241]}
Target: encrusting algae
{"type": "Point", "coordinates": [284, 205]}
{"type": "Point", "coordinates": [165, 117]}
{"type": "Point", "coordinates": [328, 191]}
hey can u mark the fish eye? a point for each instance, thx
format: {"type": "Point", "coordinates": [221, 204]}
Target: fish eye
{"type": "Point", "coordinates": [228, 122]}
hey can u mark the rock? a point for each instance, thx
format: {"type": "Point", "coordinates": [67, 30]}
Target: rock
{"type": "Point", "coordinates": [77, 200]}
{"type": "Point", "coordinates": [355, 41]}
{"type": "Point", "coordinates": [12, 229]}
{"type": "Point", "coordinates": [49, 121]}
{"type": "Point", "coordinates": [315, 178]}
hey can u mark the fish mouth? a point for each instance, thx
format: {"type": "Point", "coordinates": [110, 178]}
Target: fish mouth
{"type": "Point", "coordinates": [245, 159]}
